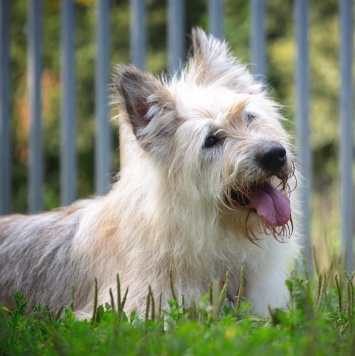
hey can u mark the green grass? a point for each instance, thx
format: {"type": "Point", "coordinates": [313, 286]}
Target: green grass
{"type": "Point", "coordinates": [319, 322]}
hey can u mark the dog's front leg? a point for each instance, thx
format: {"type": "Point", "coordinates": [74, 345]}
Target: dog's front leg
{"type": "Point", "coordinates": [265, 288]}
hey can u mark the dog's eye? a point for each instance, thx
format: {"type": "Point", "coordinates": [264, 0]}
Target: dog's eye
{"type": "Point", "coordinates": [211, 141]}
{"type": "Point", "coordinates": [250, 117]}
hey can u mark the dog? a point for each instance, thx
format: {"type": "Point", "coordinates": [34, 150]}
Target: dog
{"type": "Point", "coordinates": [207, 186]}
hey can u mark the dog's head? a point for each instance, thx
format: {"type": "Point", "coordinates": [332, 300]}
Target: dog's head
{"type": "Point", "coordinates": [215, 133]}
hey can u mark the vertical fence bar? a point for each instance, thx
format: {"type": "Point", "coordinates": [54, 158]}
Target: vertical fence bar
{"type": "Point", "coordinates": [68, 130]}
{"type": "Point", "coordinates": [176, 33]}
{"type": "Point", "coordinates": [5, 132]}
{"type": "Point", "coordinates": [138, 33]}
{"type": "Point", "coordinates": [258, 37]}
{"type": "Point", "coordinates": [215, 18]}
{"type": "Point", "coordinates": [35, 105]}
{"type": "Point", "coordinates": [302, 121]}
{"type": "Point", "coordinates": [346, 131]}
{"type": "Point", "coordinates": [103, 128]}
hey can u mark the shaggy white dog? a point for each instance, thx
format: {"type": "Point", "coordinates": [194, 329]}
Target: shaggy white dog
{"type": "Point", "coordinates": [206, 188]}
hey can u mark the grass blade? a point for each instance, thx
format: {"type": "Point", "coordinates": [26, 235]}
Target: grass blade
{"type": "Point", "coordinates": [173, 294]}
{"type": "Point", "coordinates": [222, 296]}
{"type": "Point", "coordinates": [240, 292]}
{"type": "Point", "coordinates": [112, 301]}
{"type": "Point", "coordinates": [72, 298]}
{"type": "Point", "coordinates": [95, 301]}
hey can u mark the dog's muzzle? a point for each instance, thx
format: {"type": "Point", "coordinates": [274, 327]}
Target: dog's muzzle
{"type": "Point", "coordinates": [268, 201]}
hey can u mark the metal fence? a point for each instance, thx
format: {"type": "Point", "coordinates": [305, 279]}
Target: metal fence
{"type": "Point", "coordinates": [176, 15]}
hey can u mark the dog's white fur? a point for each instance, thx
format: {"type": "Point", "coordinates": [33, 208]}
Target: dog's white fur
{"type": "Point", "coordinates": [168, 207]}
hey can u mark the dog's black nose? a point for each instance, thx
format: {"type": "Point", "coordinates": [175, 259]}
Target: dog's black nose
{"type": "Point", "coordinates": [272, 158]}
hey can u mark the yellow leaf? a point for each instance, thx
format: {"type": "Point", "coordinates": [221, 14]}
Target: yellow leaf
{"type": "Point", "coordinates": [230, 332]}
{"type": "Point", "coordinates": [6, 309]}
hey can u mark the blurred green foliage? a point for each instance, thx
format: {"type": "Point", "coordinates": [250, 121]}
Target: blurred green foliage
{"type": "Point", "coordinates": [324, 79]}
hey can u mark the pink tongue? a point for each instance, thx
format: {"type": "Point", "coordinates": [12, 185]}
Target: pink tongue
{"type": "Point", "coordinates": [271, 204]}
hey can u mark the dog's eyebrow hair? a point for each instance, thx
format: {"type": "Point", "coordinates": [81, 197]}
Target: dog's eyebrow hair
{"type": "Point", "coordinates": [214, 130]}
{"type": "Point", "coordinates": [236, 110]}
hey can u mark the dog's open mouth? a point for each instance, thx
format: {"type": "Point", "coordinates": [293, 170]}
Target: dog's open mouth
{"type": "Point", "coordinates": [269, 202]}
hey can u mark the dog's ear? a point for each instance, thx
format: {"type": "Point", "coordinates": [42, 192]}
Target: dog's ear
{"type": "Point", "coordinates": [143, 96]}
{"type": "Point", "coordinates": [212, 63]}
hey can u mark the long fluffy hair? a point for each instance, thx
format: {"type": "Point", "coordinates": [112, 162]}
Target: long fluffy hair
{"type": "Point", "coordinates": [189, 146]}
